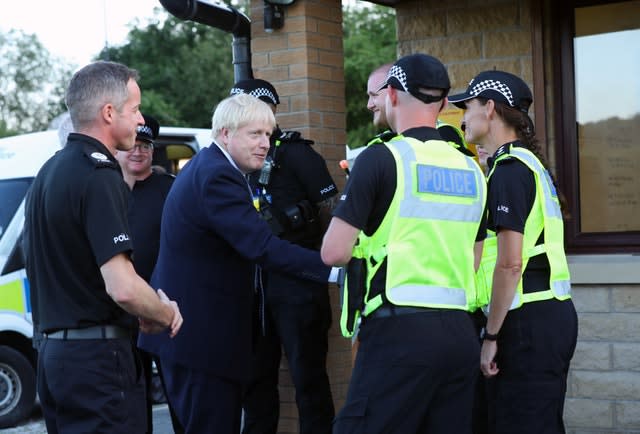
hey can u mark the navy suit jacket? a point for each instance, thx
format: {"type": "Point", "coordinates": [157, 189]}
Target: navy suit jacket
{"type": "Point", "coordinates": [211, 238]}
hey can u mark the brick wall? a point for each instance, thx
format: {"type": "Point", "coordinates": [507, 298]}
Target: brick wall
{"type": "Point", "coordinates": [304, 61]}
{"type": "Point", "coordinates": [469, 36]}
{"type": "Point", "coordinates": [603, 393]}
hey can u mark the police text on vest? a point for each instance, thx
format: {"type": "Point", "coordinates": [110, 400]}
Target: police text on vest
{"type": "Point", "coordinates": [447, 181]}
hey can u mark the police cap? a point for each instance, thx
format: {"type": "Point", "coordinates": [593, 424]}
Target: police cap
{"type": "Point", "coordinates": [419, 71]}
{"type": "Point", "coordinates": [500, 86]}
{"type": "Point", "coordinates": [258, 88]}
{"type": "Point", "coordinates": [149, 131]}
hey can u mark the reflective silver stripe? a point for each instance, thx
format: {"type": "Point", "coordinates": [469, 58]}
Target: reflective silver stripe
{"type": "Point", "coordinates": [430, 295]}
{"type": "Point", "coordinates": [412, 207]}
{"type": "Point", "coordinates": [562, 288]}
{"type": "Point", "coordinates": [551, 207]}
{"type": "Point", "coordinates": [514, 304]}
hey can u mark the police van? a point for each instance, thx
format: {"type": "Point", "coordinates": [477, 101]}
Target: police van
{"type": "Point", "coordinates": [20, 159]}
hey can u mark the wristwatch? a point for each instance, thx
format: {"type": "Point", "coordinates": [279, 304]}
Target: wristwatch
{"type": "Point", "coordinates": [484, 336]}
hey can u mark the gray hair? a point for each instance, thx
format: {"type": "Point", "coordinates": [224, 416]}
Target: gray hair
{"type": "Point", "coordinates": [239, 110]}
{"type": "Point", "coordinates": [95, 85]}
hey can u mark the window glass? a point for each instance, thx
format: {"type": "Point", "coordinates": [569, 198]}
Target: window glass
{"type": "Point", "coordinates": [607, 89]}
{"type": "Point", "coordinates": [12, 191]}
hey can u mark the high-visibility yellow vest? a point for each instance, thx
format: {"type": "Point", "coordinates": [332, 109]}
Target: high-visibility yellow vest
{"type": "Point", "coordinates": [545, 215]}
{"type": "Point", "coordinates": [484, 275]}
{"type": "Point", "coordinates": [428, 233]}
{"type": "Point", "coordinates": [349, 291]}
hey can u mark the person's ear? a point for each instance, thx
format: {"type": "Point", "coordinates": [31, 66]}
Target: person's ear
{"type": "Point", "coordinates": [392, 94]}
{"type": "Point", "coordinates": [490, 108]}
{"type": "Point", "coordinates": [107, 112]}
{"type": "Point", "coordinates": [225, 133]}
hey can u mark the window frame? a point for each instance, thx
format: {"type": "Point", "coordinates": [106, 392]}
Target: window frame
{"type": "Point", "coordinates": [566, 150]}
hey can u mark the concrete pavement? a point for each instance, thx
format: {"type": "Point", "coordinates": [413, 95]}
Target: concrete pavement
{"type": "Point", "coordinates": [35, 424]}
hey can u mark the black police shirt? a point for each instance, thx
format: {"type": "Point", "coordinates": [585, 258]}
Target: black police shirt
{"type": "Point", "coordinates": [370, 191]}
{"type": "Point", "coordinates": [145, 213]}
{"type": "Point", "coordinates": [75, 221]}
{"type": "Point", "coordinates": [300, 175]}
{"type": "Point", "coordinates": [512, 191]}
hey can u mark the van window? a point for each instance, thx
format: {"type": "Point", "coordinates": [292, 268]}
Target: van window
{"type": "Point", "coordinates": [12, 191]}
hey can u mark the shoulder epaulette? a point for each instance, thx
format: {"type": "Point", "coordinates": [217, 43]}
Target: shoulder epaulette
{"type": "Point", "coordinates": [384, 136]}
{"type": "Point", "coordinates": [293, 136]}
{"type": "Point", "coordinates": [99, 160]}
{"type": "Point", "coordinates": [503, 153]}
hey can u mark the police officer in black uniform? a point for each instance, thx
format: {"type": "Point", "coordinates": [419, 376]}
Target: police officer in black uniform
{"type": "Point", "coordinates": [149, 188]}
{"type": "Point", "coordinates": [376, 104]}
{"type": "Point", "coordinates": [414, 371]}
{"type": "Point", "coordinates": [83, 286]}
{"type": "Point", "coordinates": [532, 325]}
{"type": "Point", "coordinates": [294, 192]}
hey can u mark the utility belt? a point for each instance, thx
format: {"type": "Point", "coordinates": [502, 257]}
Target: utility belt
{"type": "Point", "coordinates": [94, 332]}
{"type": "Point", "coordinates": [353, 290]}
{"type": "Point", "coordinates": [388, 310]}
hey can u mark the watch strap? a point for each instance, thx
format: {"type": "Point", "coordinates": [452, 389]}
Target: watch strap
{"type": "Point", "coordinates": [485, 336]}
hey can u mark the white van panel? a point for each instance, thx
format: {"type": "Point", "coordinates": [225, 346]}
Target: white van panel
{"type": "Point", "coordinates": [22, 156]}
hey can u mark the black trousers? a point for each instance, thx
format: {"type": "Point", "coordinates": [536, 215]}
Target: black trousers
{"type": "Point", "coordinates": [535, 346]}
{"type": "Point", "coordinates": [297, 319]}
{"type": "Point", "coordinates": [414, 373]}
{"type": "Point", "coordinates": [480, 415]}
{"type": "Point", "coordinates": [91, 386]}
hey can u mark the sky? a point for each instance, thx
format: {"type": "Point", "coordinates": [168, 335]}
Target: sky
{"type": "Point", "coordinates": [76, 30]}
{"type": "Point", "coordinates": [601, 96]}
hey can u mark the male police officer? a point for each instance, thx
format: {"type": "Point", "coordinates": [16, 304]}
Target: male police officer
{"type": "Point", "coordinates": [84, 288]}
{"type": "Point", "coordinates": [295, 193]}
{"type": "Point", "coordinates": [421, 204]}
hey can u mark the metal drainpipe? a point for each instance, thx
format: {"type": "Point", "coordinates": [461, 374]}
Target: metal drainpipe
{"type": "Point", "coordinates": [221, 17]}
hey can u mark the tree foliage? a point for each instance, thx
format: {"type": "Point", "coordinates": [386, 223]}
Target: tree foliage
{"type": "Point", "coordinates": [32, 84]}
{"type": "Point", "coordinates": [369, 41]}
{"type": "Point", "coordinates": [185, 69]}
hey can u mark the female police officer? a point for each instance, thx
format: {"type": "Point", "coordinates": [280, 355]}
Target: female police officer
{"type": "Point", "coordinates": [531, 329]}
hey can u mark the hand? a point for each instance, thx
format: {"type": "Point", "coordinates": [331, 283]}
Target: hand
{"type": "Point", "coordinates": [150, 327]}
{"type": "Point", "coordinates": [488, 364]}
{"type": "Point", "coordinates": [176, 321]}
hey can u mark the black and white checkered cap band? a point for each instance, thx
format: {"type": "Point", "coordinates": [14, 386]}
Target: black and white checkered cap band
{"type": "Point", "coordinates": [398, 73]}
{"type": "Point", "coordinates": [144, 129]}
{"type": "Point", "coordinates": [496, 85]}
{"type": "Point", "coordinates": [256, 93]}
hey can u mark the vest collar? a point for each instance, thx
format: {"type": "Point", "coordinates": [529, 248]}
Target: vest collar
{"type": "Point", "coordinates": [422, 133]}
